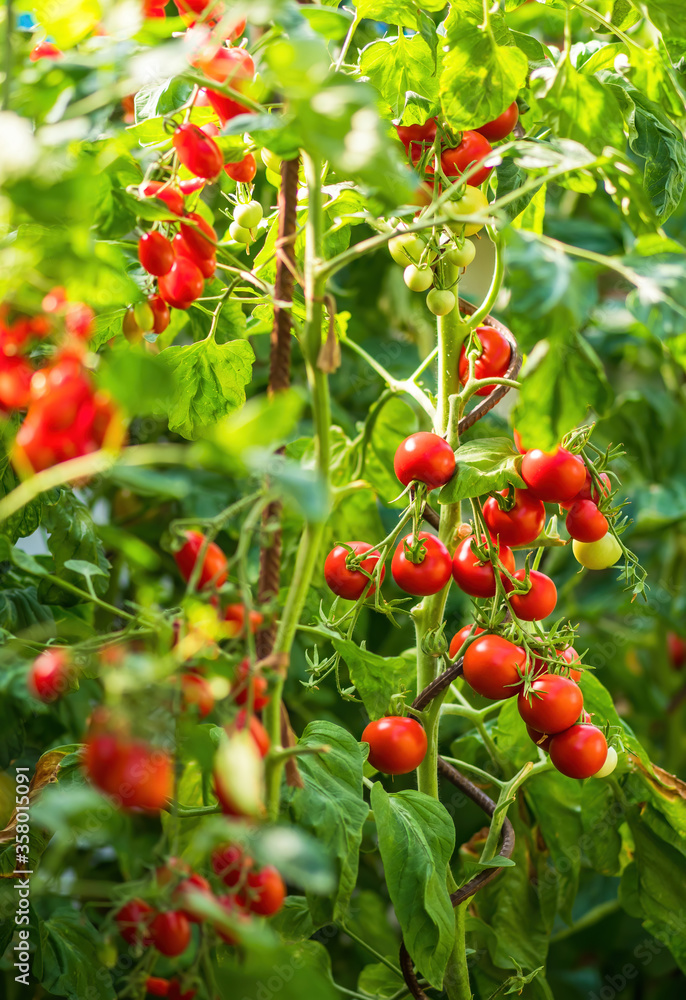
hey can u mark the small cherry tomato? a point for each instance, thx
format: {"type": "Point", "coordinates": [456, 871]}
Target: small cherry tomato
{"type": "Point", "coordinates": [585, 522]}
{"type": "Point", "coordinates": [249, 684]}
{"type": "Point", "coordinates": [473, 577]}
{"type": "Point", "coordinates": [197, 151]}
{"type": "Point", "coordinates": [676, 647]}
{"type": "Point", "coordinates": [493, 667]}
{"type": "Point", "coordinates": [160, 311]}
{"type": "Point", "coordinates": [501, 126]}
{"type": "Point", "coordinates": [521, 524]}
{"type": "Point", "coordinates": [440, 301]}
{"type": "Point", "coordinates": [493, 361]}
{"type": "Point", "coordinates": [418, 279]}
{"type": "Point", "coordinates": [182, 285]}
{"type": "Point", "coordinates": [397, 745]}
{"type": "Point", "coordinates": [346, 582]}
{"type": "Point", "coordinates": [553, 704]}
{"type": "Point", "coordinates": [240, 235]}
{"type": "Point", "coordinates": [248, 215]}
{"type": "Point", "coordinates": [609, 765]}
{"type": "Point", "coordinates": [201, 239]}
{"type": "Point", "coordinates": [45, 50]}
{"type": "Point", "coordinates": [214, 567]}
{"type": "Point", "coordinates": [51, 674]}
{"type": "Point", "coordinates": [230, 864]}
{"type": "Point", "coordinates": [579, 752]}
{"type": "Point", "coordinates": [244, 171]}
{"type": "Point", "coordinates": [155, 253]}
{"type": "Point", "coordinates": [598, 555]}
{"type": "Point", "coordinates": [197, 692]}
{"type": "Point", "coordinates": [589, 491]}
{"type": "Point", "coordinates": [171, 196]}
{"type": "Point", "coordinates": [538, 602]}
{"type": "Point", "coordinates": [461, 256]}
{"type": "Point", "coordinates": [406, 248]}
{"type": "Point", "coordinates": [155, 985]}
{"type": "Point", "coordinates": [471, 202]}
{"type": "Point", "coordinates": [184, 892]}
{"type": "Point", "coordinates": [133, 922]}
{"type": "Point", "coordinates": [553, 477]}
{"type": "Point", "coordinates": [257, 731]}
{"type": "Point", "coordinates": [472, 150]}
{"type": "Point", "coordinates": [415, 138]}
{"type": "Point", "coordinates": [263, 892]}
{"type": "Point", "coordinates": [432, 571]}
{"type": "Point", "coordinates": [170, 933]}
{"type": "Point", "coordinates": [235, 615]}
{"type": "Point", "coordinates": [426, 458]}
{"type": "Point", "coordinates": [460, 638]}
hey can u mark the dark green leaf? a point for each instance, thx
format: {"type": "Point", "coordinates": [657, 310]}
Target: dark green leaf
{"type": "Point", "coordinates": [482, 466]}
{"type": "Point", "coordinates": [377, 678]}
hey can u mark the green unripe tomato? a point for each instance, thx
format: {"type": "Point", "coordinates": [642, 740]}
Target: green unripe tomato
{"type": "Point", "coordinates": [145, 317]}
{"type": "Point", "coordinates": [597, 555]}
{"type": "Point", "coordinates": [248, 216]}
{"type": "Point", "coordinates": [472, 201]}
{"type": "Point", "coordinates": [273, 179]}
{"type": "Point", "coordinates": [461, 256]}
{"type": "Point", "coordinates": [418, 279]}
{"type": "Point", "coordinates": [406, 248]}
{"type": "Point", "coordinates": [609, 765]}
{"type": "Point", "coordinates": [440, 301]}
{"type": "Point", "coordinates": [271, 161]}
{"type": "Point", "coordinates": [239, 234]}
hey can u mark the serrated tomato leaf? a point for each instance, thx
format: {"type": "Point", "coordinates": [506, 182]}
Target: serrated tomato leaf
{"type": "Point", "coordinates": [483, 465]}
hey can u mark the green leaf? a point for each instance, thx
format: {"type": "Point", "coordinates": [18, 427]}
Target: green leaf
{"type": "Point", "coordinates": [69, 21]}
{"type": "Point", "coordinates": [332, 808]}
{"type": "Point", "coordinates": [72, 536]}
{"type": "Point", "coordinates": [669, 17]}
{"type": "Point", "coordinates": [209, 383]}
{"type": "Point", "coordinates": [303, 861]}
{"type": "Point", "coordinates": [396, 421]}
{"type": "Point", "coordinates": [581, 108]}
{"type": "Point", "coordinates": [377, 678]}
{"type": "Point", "coordinates": [401, 12]}
{"type": "Point", "coordinates": [399, 65]}
{"type": "Point", "coordinates": [481, 77]}
{"type": "Point", "coordinates": [482, 466]}
{"type": "Point", "coordinates": [331, 24]}
{"type": "Point", "coordinates": [416, 841]}
{"type": "Point", "coordinates": [139, 382]}
{"type": "Point", "coordinates": [71, 966]}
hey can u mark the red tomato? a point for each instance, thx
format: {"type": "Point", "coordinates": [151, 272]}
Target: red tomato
{"type": "Point", "coordinates": [493, 667]}
{"type": "Point", "coordinates": [15, 382]}
{"type": "Point", "coordinates": [206, 265]}
{"type": "Point", "coordinates": [155, 253]}
{"type": "Point", "coordinates": [198, 152]}
{"type": "Point", "coordinates": [197, 692]}
{"type": "Point", "coordinates": [50, 674]}
{"type": "Point", "coordinates": [397, 745]}
{"type": "Point", "coordinates": [501, 126]}
{"type": "Point", "coordinates": [160, 311]}
{"type": "Point", "coordinates": [579, 751]}
{"type": "Point", "coordinates": [190, 185]}
{"type": "Point", "coordinates": [460, 637]}
{"type": "Point", "coordinates": [183, 894]}
{"type": "Point", "coordinates": [232, 66]}
{"type": "Point", "coordinates": [139, 775]}
{"type": "Point", "coordinates": [45, 50]}
{"type": "Point", "coordinates": [163, 190]}
{"type": "Point", "coordinates": [472, 149]}
{"type": "Point", "coordinates": [154, 8]}
{"type": "Point", "coordinates": [183, 285]}
{"type": "Point", "coordinates": [493, 361]}
{"type": "Point", "coordinates": [214, 567]}
{"type": "Point", "coordinates": [155, 985]}
{"type": "Point", "coordinates": [227, 108]}
{"type": "Point", "coordinates": [555, 476]}
{"type": "Point", "coordinates": [202, 241]}
{"type": "Point", "coordinates": [257, 731]}
{"type": "Point", "coordinates": [244, 171]}
{"type": "Point", "coordinates": [538, 602]}
{"type": "Point", "coordinates": [589, 491]}
{"type": "Point", "coordinates": [235, 614]}
{"type": "Point", "coordinates": [568, 656]}
{"type": "Point", "coordinates": [170, 933]}
{"type": "Point", "coordinates": [257, 682]}
{"type": "Point", "coordinates": [351, 583]}
{"type": "Point", "coordinates": [541, 740]}
{"type": "Point", "coordinates": [475, 578]}
{"type": "Point", "coordinates": [585, 522]}
{"type": "Point", "coordinates": [554, 704]}
{"type": "Point", "coordinates": [176, 994]}
{"type": "Point", "coordinates": [79, 319]}
{"type": "Point", "coordinates": [415, 138]}
{"type": "Point", "coordinates": [425, 458]}
{"type": "Point", "coordinates": [427, 576]}
{"type": "Point", "coordinates": [518, 442]}
{"type": "Point", "coordinates": [676, 647]}
{"type": "Point", "coordinates": [133, 922]}
{"type": "Point", "coordinates": [230, 864]}
{"type": "Point", "coordinates": [232, 908]}
{"type": "Point", "coordinates": [263, 892]}
{"type": "Point", "coordinates": [518, 526]}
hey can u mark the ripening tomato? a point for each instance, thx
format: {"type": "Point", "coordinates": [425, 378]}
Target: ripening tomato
{"type": "Point", "coordinates": [397, 745]}
{"type": "Point", "coordinates": [160, 312]}
{"type": "Point", "coordinates": [460, 638]}
{"type": "Point", "coordinates": [676, 647]}
{"type": "Point", "coordinates": [263, 892]}
{"type": "Point", "coordinates": [472, 150]}
{"type": "Point", "coordinates": [538, 602]}
{"type": "Point", "coordinates": [163, 190]}
{"type": "Point", "coordinates": [555, 476]}
{"type": "Point", "coordinates": [244, 171]}
{"type": "Point", "coordinates": [432, 570]}
{"type": "Point", "coordinates": [200, 238]}
{"type": "Point", "coordinates": [182, 285]}
{"type": "Point", "coordinates": [133, 922]}
{"type": "Point", "coordinates": [501, 126]}
{"type": "Point", "coordinates": [214, 567]}
{"type": "Point", "coordinates": [598, 555]}
{"type": "Point", "coordinates": [541, 740]}
{"type": "Point", "coordinates": [248, 686]}
{"type": "Point", "coordinates": [50, 674]}
{"type": "Point", "coordinates": [493, 667]}
{"type": "Point", "coordinates": [553, 704]}
{"type": "Point", "coordinates": [351, 583]}
{"type": "Point", "coordinates": [521, 524]}
{"type": "Point", "coordinates": [473, 577]}
{"type": "Point", "coordinates": [257, 731]}
{"type": "Point", "coordinates": [425, 458]}
{"type": "Point", "coordinates": [198, 152]}
{"type": "Point", "coordinates": [585, 522]}
{"type": "Point", "coordinates": [155, 253]}
{"type": "Point", "coordinates": [579, 752]}
{"type": "Point", "coordinates": [493, 361]}
{"type": "Point", "coordinates": [609, 765]}
{"type": "Point", "coordinates": [230, 864]}
{"type": "Point", "coordinates": [170, 933]}
{"type": "Point", "coordinates": [197, 692]}
{"type": "Point", "coordinates": [235, 614]}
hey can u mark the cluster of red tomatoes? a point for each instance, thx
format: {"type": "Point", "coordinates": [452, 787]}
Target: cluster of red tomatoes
{"type": "Point", "coordinates": [254, 891]}
{"type": "Point", "coordinates": [67, 417]}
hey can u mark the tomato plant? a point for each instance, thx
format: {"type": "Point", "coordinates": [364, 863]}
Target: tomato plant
{"type": "Point", "coordinates": [241, 754]}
